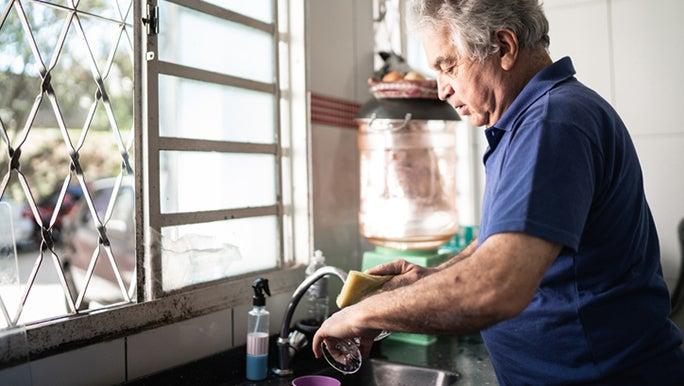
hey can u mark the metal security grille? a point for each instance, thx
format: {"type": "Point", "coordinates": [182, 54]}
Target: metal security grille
{"type": "Point", "coordinates": [46, 94]}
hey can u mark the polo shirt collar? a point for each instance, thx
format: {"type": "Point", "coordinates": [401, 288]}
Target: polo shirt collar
{"type": "Point", "coordinates": [539, 85]}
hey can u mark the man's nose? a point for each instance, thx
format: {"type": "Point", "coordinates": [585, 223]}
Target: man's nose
{"type": "Point", "coordinates": [444, 89]}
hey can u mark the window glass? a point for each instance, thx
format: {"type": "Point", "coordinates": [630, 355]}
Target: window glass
{"type": "Point", "coordinates": [192, 109]}
{"type": "Point", "coordinates": [256, 9]}
{"type": "Point", "coordinates": [200, 181]}
{"type": "Point", "coordinates": [210, 43]}
{"type": "Point", "coordinates": [201, 252]}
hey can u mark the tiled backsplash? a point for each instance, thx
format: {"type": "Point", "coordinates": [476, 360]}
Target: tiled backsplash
{"type": "Point", "coordinates": [99, 364]}
{"type": "Point", "coordinates": [147, 352]}
{"type": "Point", "coordinates": [168, 346]}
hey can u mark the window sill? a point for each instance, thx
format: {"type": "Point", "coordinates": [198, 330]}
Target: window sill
{"type": "Point", "coordinates": [72, 332]}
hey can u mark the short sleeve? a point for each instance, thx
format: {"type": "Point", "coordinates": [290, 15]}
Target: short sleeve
{"type": "Point", "coordinates": [546, 184]}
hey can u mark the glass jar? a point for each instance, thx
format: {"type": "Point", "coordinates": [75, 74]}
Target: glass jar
{"type": "Point", "coordinates": [408, 182]}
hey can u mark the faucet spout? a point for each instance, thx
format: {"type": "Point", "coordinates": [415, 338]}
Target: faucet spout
{"type": "Point", "coordinates": [285, 350]}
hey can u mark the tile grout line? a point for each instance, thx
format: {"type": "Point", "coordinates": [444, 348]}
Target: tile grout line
{"type": "Point", "coordinates": [126, 359]}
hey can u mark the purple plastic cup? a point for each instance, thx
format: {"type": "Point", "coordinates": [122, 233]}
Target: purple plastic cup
{"type": "Point", "coordinates": [315, 380]}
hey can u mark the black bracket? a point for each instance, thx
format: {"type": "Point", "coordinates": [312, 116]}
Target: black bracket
{"type": "Point", "coordinates": [152, 20]}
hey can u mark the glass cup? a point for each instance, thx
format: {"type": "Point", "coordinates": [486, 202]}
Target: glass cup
{"type": "Point", "coordinates": [344, 355]}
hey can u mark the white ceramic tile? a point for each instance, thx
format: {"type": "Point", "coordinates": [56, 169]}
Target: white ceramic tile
{"type": "Point", "coordinates": [581, 32]}
{"type": "Point", "coordinates": [98, 364]}
{"type": "Point", "coordinates": [16, 376]}
{"type": "Point", "coordinates": [662, 162]}
{"type": "Point", "coordinates": [172, 345]}
{"type": "Point", "coordinates": [336, 195]}
{"type": "Point", "coordinates": [364, 48]}
{"type": "Point", "coordinates": [240, 322]}
{"type": "Point", "coordinates": [649, 52]}
{"type": "Point", "coordinates": [330, 47]}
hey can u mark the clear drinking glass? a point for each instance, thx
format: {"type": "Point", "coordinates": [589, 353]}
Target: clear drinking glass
{"type": "Point", "coordinates": [344, 355]}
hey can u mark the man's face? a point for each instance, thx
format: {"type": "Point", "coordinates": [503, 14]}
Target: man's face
{"type": "Point", "coordinates": [470, 86]}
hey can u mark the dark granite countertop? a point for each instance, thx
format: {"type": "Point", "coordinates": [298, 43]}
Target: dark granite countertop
{"type": "Point", "coordinates": [465, 355]}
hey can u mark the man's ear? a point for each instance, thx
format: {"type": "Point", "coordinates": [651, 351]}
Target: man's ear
{"type": "Point", "coordinates": [508, 48]}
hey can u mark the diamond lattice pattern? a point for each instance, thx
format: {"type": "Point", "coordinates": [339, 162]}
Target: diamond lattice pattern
{"type": "Point", "coordinates": [56, 38]}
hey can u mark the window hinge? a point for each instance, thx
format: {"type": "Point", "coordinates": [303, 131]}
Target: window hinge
{"type": "Point", "coordinates": [152, 20]}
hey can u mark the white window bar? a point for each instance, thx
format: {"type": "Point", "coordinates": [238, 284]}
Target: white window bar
{"type": "Point", "coordinates": [213, 77]}
{"type": "Point", "coordinates": [154, 220]}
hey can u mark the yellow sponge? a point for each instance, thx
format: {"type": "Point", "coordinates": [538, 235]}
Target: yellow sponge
{"type": "Point", "coordinates": [359, 285]}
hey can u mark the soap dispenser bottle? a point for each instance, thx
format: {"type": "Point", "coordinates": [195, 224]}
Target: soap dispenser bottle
{"type": "Point", "coordinates": [257, 332]}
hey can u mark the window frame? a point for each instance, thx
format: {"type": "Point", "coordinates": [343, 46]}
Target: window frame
{"type": "Point", "coordinates": [154, 143]}
{"type": "Point", "coordinates": [152, 307]}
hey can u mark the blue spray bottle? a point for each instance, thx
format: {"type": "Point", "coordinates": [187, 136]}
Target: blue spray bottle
{"type": "Point", "coordinates": [257, 332]}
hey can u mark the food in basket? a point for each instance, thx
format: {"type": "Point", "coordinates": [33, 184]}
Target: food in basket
{"type": "Point", "coordinates": [413, 75]}
{"type": "Point", "coordinates": [392, 76]}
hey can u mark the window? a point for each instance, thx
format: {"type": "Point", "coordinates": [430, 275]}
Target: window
{"type": "Point", "coordinates": [166, 170]}
{"type": "Point", "coordinates": [66, 119]}
{"type": "Point", "coordinates": [216, 201]}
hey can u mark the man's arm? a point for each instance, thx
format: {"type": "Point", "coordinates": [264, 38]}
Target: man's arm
{"type": "Point", "coordinates": [465, 253]}
{"type": "Point", "coordinates": [406, 273]}
{"type": "Point", "coordinates": [496, 283]}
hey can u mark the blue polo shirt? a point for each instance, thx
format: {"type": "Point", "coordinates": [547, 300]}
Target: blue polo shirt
{"type": "Point", "coordinates": [561, 166]}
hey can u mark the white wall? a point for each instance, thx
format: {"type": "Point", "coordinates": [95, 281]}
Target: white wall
{"type": "Point", "coordinates": [340, 60]}
{"type": "Point", "coordinates": [631, 52]}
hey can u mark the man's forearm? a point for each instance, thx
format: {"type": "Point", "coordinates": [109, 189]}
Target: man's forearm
{"type": "Point", "coordinates": [445, 302]}
{"type": "Point", "coordinates": [465, 253]}
{"type": "Point", "coordinates": [496, 283]}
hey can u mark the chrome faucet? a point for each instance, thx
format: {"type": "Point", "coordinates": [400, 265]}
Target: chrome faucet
{"type": "Point", "coordinates": [288, 343]}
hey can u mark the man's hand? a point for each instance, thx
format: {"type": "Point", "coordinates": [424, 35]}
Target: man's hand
{"type": "Point", "coordinates": [346, 323]}
{"type": "Point", "coordinates": [404, 273]}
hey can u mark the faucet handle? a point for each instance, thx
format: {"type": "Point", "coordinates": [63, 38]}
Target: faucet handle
{"type": "Point", "coordinates": [297, 340]}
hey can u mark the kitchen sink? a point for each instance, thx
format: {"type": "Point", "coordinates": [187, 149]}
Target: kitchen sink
{"type": "Point", "coordinates": [379, 373]}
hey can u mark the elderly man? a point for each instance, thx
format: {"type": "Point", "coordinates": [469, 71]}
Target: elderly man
{"type": "Point", "coordinates": [564, 280]}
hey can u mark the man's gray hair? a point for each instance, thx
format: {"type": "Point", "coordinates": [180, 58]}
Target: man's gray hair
{"type": "Point", "coordinates": [474, 23]}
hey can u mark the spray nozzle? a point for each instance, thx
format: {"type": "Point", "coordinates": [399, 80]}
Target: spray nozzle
{"type": "Point", "coordinates": [260, 286]}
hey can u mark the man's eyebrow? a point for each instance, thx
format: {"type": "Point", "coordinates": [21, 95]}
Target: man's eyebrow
{"type": "Point", "coordinates": [442, 59]}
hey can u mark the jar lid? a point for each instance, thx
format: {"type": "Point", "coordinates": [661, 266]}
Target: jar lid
{"type": "Point", "coordinates": [420, 109]}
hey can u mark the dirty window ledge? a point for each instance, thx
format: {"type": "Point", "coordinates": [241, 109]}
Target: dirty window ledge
{"type": "Point", "coordinates": [68, 333]}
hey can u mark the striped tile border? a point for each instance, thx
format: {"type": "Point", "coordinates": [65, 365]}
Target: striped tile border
{"type": "Point", "coordinates": [331, 111]}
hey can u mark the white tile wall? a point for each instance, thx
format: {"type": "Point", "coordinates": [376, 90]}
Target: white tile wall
{"type": "Point", "coordinates": [175, 344]}
{"type": "Point", "coordinates": [363, 48]}
{"type": "Point", "coordinates": [340, 47]}
{"type": "Point", "coordinates": [646, 42]}
{"type": "Point", "coordinates": [582, 32]}
{"type": "Point", "coordinates": [649, 52]}
{"type": "Point", "coordinates": [662, 161]}
{"type": "Point", "coordinates": [330, 47]}
{"type": "Point", "coordinates": [98, 364]}
{"type": "Point", "coordinates": [336, 195]}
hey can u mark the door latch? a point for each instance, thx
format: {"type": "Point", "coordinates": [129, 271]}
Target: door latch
{"type": "Point", "coordinates": [152, 20]}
